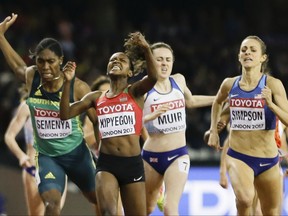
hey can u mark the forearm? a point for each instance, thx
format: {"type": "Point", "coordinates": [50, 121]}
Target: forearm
{"type": "Point", "coordinates": [151, 64]}
{"type": "Point", "coordinates": [215, 116]}
{"type": "Point", "coordinates": [201, 101]}
{"type": "Point", "coordinates": [90, 139]}
{"type": "Point", "coordinates": [149, 117]}
{"type": "Point", "coordinates": [223, 167]}
{"type": "Point", "coordinates": [96, 134]}
{"type": "Point", "coordinates": [89, 132]}
{"type": "Point", "coordinates": [15, 149]}
{"type": "Point", "coordinates": [15, 62]}
{"type": "Point", "coordinates": [144, 134]}
{"type": "Point", "coordinates": [281, 114]}
{"type": "Point", "coordinates": [64, 102]}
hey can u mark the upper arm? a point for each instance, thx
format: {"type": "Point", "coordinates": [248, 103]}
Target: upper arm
{"type": "Point", "coordinates": [18, 121]}
{"type": "Point", "coordinates": [181, 82]}
{"type": "Point", "coordinates": [83, 105]}
{"type": "Point", "coordinates": [225, 114]}
{"type": "Point", "coordinates": [224, 89]}
{"type": "Point", "coordinates": [29, 74]}
{"type": "Point", "coordinates": [84, 100]}
{"type": "Point", "coordinates": [189, 100]}
{"type": "Point", "coordinates": [278, 92]}
{"type": "Point", "coordinates": [140, 87]}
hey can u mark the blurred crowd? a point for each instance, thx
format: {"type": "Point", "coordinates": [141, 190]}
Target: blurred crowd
{"type": "Point", "coordinates": [205, 36]}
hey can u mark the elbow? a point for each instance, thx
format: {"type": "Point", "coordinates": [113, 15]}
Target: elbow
{"type": "Point", "coordinates": [191, 104]}
{"type": "Point", "coordinates": [7, 138]}
{"type": "Point", "coordinates": [20, 72]}
{"type": "Point", "coordinates": [63, 113]}
{"type": "Point", "coordinates": [63, 116]}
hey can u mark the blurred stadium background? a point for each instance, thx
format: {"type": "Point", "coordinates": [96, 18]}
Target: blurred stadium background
{"type": "Point", "coordinates": [205, 36]}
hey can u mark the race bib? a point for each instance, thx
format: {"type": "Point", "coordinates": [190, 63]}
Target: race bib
{"type": "Point", "coordinates": [117, 124]}
{"type": "Point", "coordinates": [247, 114]}
{"type": "Point", "coordinates": [50, 126]}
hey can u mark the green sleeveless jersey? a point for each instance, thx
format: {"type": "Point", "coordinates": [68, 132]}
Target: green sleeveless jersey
{"type": "Point", "coordinates": [52, 136]}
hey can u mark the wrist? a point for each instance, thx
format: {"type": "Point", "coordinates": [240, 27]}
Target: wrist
{"type": "Point", "coordinates": [23, 159]}
{"type": "Point", "coordinates": [66, 81]}
{"type": "Point", "coordinates": [213, 131]}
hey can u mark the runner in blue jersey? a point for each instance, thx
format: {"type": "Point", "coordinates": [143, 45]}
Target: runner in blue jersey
{"type": "Point", "coordinates": [255, 100]}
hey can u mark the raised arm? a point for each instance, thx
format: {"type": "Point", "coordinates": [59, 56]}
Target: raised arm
{"type": "Point", "coordinates": [15, 62]}
{"type": "Point", "coordinates": [81, 91]}
{"type": "Point", "coordinates": [141, 87]}
{"type": "Point", "coordinates": [15, 126]}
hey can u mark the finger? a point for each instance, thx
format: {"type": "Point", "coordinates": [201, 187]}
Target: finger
{"type": "Point", "coordinates": [7, 19]}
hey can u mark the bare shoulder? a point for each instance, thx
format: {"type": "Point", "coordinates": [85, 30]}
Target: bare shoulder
{"type": "Point", "coordinates": [81, 88]}
{"type": "Point", "coordinates": [180, 80]}
{"type": "Point", "coordinates": [272, 81]}
{"type": "Point", "coordinates": [30, 71]}
{"type": "Point", "coordinates": [81, 84]}
{"type": "Point", "coordinates": [178, 77]}
{"type": "Point", "coordinates": [229, 81]}
{"type": "Point", "coordinates": [24, 109]}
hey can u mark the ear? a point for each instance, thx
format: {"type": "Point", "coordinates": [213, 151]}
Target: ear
{"type": "Point", "coordinates": [61, 60]}
{"type": "Point", "coordinates": [263, 58]}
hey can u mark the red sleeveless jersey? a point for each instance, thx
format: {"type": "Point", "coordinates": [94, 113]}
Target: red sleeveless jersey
{"type": "Point", "coordinates": [118, 116]}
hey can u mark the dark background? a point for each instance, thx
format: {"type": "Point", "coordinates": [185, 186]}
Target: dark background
{"type": "Point", "coordinates": [205, 35]}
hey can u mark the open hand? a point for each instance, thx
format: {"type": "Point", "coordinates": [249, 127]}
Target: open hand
{"type": "Point", "coordinates": [7, 22]}
{"type": "Point", "coordinates": [69, 70]}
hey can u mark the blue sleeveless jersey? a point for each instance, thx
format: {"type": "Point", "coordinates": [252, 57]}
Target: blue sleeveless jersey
{"type": "Point", "coordinates": [248, 110]}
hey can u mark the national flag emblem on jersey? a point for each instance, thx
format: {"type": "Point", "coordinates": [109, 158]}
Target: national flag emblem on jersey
{"type": "Point", "coordinates": [123, 99]}
{"type": "Point", "coordinates": [153, 160]}
{"type": "Point", "coordinates": [258, 96]}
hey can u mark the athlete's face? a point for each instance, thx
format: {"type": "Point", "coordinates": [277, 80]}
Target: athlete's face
{"type": "Point", "coordinates": [164, 60]}
{"type": "Point", "coordinates": [48, 64]}
{"type": "Point", "coordinates": [119, 64]}
{"type": "Point", "coordinates": [250, 54]}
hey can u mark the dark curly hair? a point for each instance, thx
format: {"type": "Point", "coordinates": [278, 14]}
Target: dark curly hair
{"type": "Point", "coordinates": [135, 55]}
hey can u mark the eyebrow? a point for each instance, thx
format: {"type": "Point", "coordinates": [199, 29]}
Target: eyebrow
{"type": "Point", "coordinates": [249, 46]}
{"type": "Point", "coordinates": [45, 59]}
